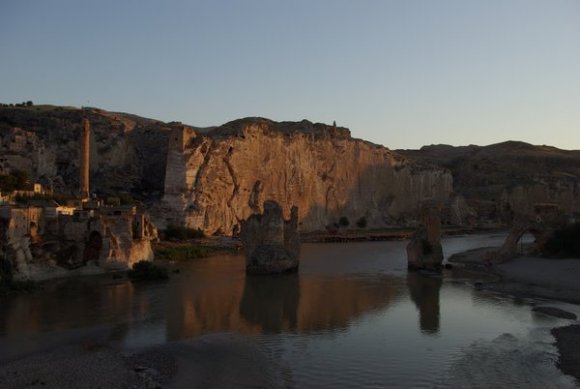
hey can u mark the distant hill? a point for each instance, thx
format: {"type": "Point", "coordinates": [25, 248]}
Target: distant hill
{"type": "Point", "coordinates": [505, 177]}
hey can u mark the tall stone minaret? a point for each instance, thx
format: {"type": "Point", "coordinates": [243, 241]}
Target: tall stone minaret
{"type": "Point", "coordinates": [84, 158]}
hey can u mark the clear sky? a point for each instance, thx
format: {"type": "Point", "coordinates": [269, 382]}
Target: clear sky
{"type": "Point", "coordinates": [400, 73]}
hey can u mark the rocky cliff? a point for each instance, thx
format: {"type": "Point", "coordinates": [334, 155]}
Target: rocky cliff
{"type": "Point", "coordinates": [128, 153]}
{"type": "Point", "coordinates": [216, 179]}
{"type": "Point", "coordinates": [507, 178]}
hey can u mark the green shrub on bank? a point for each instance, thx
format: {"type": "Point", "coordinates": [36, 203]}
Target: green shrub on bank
{"type": "Point", "coordinates": [362, 222]}
{"type": "Point", "coordinates": [58, 197]}
{"type": "Point", "coordinates": [182, 233]}
{"type": "Point", "coordinates": [183, 253]}
{"type": "Point", "coordinates": [17, 179]}
{"type": "Point", "coordinates": [147, 271]}
{"type": "Point", "coordinates": [565, 242]}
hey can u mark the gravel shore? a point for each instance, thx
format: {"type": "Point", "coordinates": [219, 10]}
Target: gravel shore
{"type": "Point", "coordinates": [211, 361]}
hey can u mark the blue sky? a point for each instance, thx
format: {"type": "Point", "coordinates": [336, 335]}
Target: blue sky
{"type": "Point", "coordinates": [399, 73]}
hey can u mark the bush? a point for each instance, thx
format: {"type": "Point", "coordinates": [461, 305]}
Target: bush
{"type": "Point", "coordinates": [183, 253]}
{"type": "Point", "coordinates": [9, 285]}
{"type": "Point", "coordinates": [57, 197]}
{"type": "Point", "coordinates": [182, 233]}
{"type": "Point", "coordinates": [362, 222]}
{"type": "Point", "coordinates": [113, 201]}
{"type": "Point", "coordinates": [126, 199]}
{"type": "Point", "coordinates": [343, 221]}
{"type": "Point", "coordinates": [147, 271]}
{"type": "Point", "coordinates": [565, 241]}
{"type": "Point", "coordinates": [17, 179]}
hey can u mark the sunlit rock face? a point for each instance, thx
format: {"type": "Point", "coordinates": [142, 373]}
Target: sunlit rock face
{"type": "Point", "coordinates": [271, 243]}
{"type": "Point", "coordinates": [216, 179]}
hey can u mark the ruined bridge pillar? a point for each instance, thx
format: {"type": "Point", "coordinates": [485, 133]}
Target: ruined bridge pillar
{"type": "Point", "coordinates": [271, 244]}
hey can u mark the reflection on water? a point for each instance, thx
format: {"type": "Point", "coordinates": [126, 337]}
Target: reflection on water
{"type": "Point", "coordinates": [424, 291]}
{"type": "Point", "coordinates": [271, 303]}
{"type": "Point", "coordinates": [196, 303]}
{"type": "Point", "coordinates": [352, 312]}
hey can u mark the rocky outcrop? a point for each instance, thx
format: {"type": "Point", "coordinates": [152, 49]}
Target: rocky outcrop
{"type": "Point", "coordinates": [271, 244]}
{"type": "Point", "coordinates": [424, 251]}
{"type": "Point", "coordinates": [216, 179]}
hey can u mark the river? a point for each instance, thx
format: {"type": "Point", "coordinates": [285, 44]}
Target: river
{"type": "Point", "coordinates": [351, 317]}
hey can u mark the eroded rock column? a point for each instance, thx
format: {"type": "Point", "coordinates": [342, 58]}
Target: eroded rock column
{"type": "Point", "coordinates": [271, 243]}
{"type": "Point", "coordinates": [424, 251]}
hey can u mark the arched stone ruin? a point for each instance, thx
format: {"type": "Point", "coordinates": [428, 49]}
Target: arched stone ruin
{"type": "Point", "coordinates": [541, 223]}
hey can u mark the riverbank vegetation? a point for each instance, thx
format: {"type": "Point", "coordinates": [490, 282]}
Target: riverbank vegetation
{"type": "Point", "coordinates": [184, 252]}
{"type": "Point", "coordinates": [565, 242]}
{"type": "Point", "coordinates": [147, 271]}
{"type": "Point", "coordinates": [9, 285]}
{"type": "Point", "coordinates": [173, 232]}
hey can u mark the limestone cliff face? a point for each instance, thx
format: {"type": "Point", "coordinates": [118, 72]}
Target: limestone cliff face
{"type": "Point", "coordinates": [127, 153]}
{"type": "Point", "coordinates": [215, 180]}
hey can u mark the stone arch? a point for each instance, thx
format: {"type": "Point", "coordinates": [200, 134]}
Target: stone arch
{"type": "Point", "coordinates": [542, 223]}
{"type": "Point", "coordinates": [93, 247]}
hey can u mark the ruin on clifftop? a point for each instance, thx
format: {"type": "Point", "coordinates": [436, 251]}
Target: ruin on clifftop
{"type": "Point", "coordinates": [271, 244]}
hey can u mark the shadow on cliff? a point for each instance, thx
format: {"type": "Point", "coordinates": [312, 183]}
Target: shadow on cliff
{"type": "Point", "coordinates": [381, 197]}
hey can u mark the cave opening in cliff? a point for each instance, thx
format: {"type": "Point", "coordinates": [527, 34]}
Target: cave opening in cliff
{"type": "Point", "coordinates": [93, 248]}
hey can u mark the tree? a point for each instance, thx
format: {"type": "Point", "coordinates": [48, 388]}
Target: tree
{"type": "Point", "coordinates": [21, 178]}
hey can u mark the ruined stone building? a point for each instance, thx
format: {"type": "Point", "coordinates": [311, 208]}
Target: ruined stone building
{"type": "Point", "coordinates": [39, 242]}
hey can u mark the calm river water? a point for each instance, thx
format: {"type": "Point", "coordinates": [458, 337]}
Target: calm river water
{"type": "Point", "coordinates": [351, 317]}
